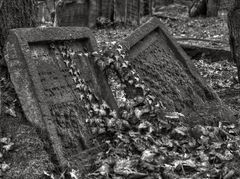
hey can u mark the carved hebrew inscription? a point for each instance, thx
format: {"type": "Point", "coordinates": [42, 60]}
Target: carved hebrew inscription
{"type": "Point", "coordinates": [170, 74]}
{"type": "Point", "coordinates": [157, 64]}
{"type": "Point", "coordinates": [62, 97]}
{"type": "Point", "coordinates": [47, 88]}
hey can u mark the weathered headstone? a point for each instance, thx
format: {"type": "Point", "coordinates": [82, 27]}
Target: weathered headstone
{"type": "Point", "coordinates": [169, 73]}
{"type": "Point", "coordinates": [128, 11]}
{"type": "Point", "coordinates": [131, 11]}
{"type": "Point", "coordinates": [72, 14]}
{"type": "Point", "coordinates": [47, 91]}
{"type": "Point", "coordinates": [43, 14]}
{"type": "Point", "coordinates": [105, 8]}
{"type": "Point", "coordinates": [226, 4]}
{"type": "Point", "coordinates": [81, 13]}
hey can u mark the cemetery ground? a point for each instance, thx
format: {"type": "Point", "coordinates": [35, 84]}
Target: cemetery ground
{"type": "Point", "coordinates": [182, 147]}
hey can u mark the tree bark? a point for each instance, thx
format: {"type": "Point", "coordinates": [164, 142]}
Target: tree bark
{"type": "Point", "coordinates": [14, 14]}
{"type": "Point", "coordinates": [234, 34]}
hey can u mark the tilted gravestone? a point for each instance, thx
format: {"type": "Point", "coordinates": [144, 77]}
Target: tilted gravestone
{"type": "Point", "coordinates": [47, 92]}
{"type": "Point", "coordinates": [170, 74]}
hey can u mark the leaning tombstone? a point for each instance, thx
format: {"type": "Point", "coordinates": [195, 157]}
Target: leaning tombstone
{"type": "Point", "coordinates": [170, 74]}
{"type": "Point", "coordinates": [46, 88]}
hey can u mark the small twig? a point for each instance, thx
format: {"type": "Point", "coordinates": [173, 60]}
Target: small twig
{"type": "Point", "coordinates": [184, 173]}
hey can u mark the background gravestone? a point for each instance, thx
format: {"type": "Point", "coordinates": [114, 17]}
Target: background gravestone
{"type": "Point", "coordinates": [72, 14]}
{"type": "Point", "coordinates": [43, 15]}
{"type": "Point", "coordinates": [47, 91]}
{"type": "Point", "coordinates": [105, 8]}
{"type": "Point", "coordinates": [81, 13]}
{"type": "Point", "coordinates": [128, 11]}
{"type": "Point", "coordinates": [170, 74]}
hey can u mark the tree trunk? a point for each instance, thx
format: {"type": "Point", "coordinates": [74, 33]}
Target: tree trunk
{"type": "Point", "coordinates": [14, 14]}
{"type": "Point", "coordinates": [234, 34]}
{"type": "Point", "coordinates": [28, 159]}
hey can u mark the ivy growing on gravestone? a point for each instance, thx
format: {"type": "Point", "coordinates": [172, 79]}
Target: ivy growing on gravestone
{"type": "Point", "coordinates": [138, 109]}
{"type": "Point", "coordinates": [101, 118]}
{"type": "Point", "coordinates": [143, 140]}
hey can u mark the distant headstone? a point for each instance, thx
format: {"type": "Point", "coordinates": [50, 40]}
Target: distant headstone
{"type": "Point", "coordinates": [41, 12]}
{"type": "Point", "coordinates": [168, 71]}
{"type": "Point", "coordinates": [128, 11]}
{"type": "Point", "coordinates": [72, 14]}
{"type": "Point", "coordinates": [105, 8]}
{"type": "Point", "coordinates": [47, 91]}
{"type": "Point", "coordinates": [131, 11]}
{"type": "Point", "coordinates": [226, 4]}
{"type": "Point", "coordinates": [79, 13]}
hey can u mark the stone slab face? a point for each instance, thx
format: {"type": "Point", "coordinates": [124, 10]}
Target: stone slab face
{"type": "Point", "coordinates": [127, 12]}
{"type": "Point", "coordinates": [167, 70]}
{"type": "Point", "coordinates": [105, 8]}
{"type": "Point", "coordinates": [81, 13]}
{"type": "Point", "coordinates": [73, 14]}
{"type": "Point", "coordinates": [46, 89]}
